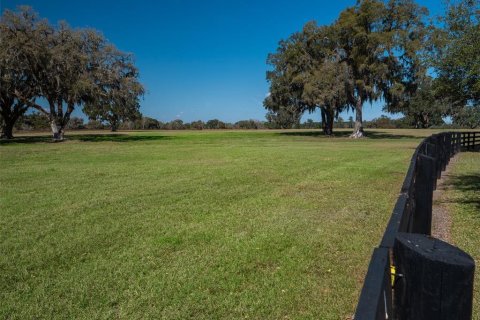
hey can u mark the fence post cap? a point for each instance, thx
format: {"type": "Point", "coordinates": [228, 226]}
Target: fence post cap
{"type": "Point", "coordinates": [435, 249]}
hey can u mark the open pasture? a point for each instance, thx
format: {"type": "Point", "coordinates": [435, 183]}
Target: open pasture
{"type": "Point", "coordinates": [200, 225]}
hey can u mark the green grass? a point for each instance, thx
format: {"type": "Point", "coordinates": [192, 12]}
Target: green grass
{"type": "Point", "coordinates": [199, 225]}
{"type": "Point", "coordinates": [463, 198]}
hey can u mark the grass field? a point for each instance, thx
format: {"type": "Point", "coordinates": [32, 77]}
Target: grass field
{"type": "Point", "coordinates": [463, 199]}
{"type": "Point", "coordinates": [199, 225]}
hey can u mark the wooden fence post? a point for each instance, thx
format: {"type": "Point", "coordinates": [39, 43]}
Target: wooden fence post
{"type": "Point", "coordinates": [441, 155]}
{"type": "Point", "coordinates": [438, 155]}
{"type": "Point", "coordinates": [436, 279]}
{"type": "Point", "coordinates": [452, 144]}
{"type": "Point", "coordinates": [422, 218]}
{"type": "Point", "coordinates": [444, 151]}
{"type": "Point", "coordinates": [431, 151]}
{"type": "Point", "coordinates": [459, 142]}
{"type": "Point", "coordinates": [448, 145]}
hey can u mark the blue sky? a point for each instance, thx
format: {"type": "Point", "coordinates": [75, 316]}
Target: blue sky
{"type": "Point", "coordinates": [199, 59]}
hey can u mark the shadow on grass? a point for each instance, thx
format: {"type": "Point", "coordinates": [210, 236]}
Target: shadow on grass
{"type": "Point", "coordinates": [346, 134]}
{"type": "Point", "coordinates": [117, 137]}
{"type": "Point", "coordinates": [86, 138]}
{"type": "Point", "coordinates": [469, 185]}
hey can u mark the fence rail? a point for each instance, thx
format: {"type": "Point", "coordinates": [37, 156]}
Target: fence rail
{"type": "Point", "coordinates": [387, 293]}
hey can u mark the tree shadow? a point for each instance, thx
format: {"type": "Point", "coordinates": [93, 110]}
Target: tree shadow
{"type": "Point", "coordinates": [469, 185]}
{"type": "Point", "coordinates": [117, 137]}
{"type": "Point", "coordinates": [339, 134]}
{"type": "Point", "coordinates": [345, 134]}
{"type": "Point", "coordinates": [86, 138]}
{"type": "Point", "coordinates": [26, 140]}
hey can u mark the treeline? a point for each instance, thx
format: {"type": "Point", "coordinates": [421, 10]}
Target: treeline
{"type": "Point", "coordinates": [65, 67]}
{"type": "Point", "coordinates": [39, 122]}
{"type": "Point", "coordinates": [424, 68]}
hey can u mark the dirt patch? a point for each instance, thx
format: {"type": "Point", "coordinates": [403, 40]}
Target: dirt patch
{"type": "Point", "coordinates": [441, 217]}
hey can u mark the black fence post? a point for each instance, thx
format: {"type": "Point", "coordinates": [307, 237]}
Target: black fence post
{"type": "Point", "coordinates": [436, 279]}
{"type": "Point", "coordinates": [431, 151]}
{"type": "Point", "coordinates": [441, 154]}
{"type": "Point", "coordinates": [422, 218]}
{"type": "Point", "coordinates": [452, 144]}
{"type": "Point", "coordinates": [459, 142]}
{"type": "Point", "coordinates": [438, 155]}
{"type": "Point", "coordinates": [455, 142]}
{"type": "Point", "coordinates": [444, 151]}
{"type": "Point", "coordinates": [448, 145]}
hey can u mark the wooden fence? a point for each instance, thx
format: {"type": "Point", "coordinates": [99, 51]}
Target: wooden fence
{"type": "Point", "coordinates": [411, 275]}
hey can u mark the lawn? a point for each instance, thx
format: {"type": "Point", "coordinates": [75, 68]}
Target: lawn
{"type": "Point", "coordinates": [195, 225]}
{"type": "Point", "coordinates": [463, 199]}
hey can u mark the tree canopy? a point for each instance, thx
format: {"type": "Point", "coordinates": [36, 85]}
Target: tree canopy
{"type": "Point", "coordinates": [66, 67]}
{"type": "Point", "coordinates": [380, 50]}
{"type": "Point", "coordinates": [456, 59]}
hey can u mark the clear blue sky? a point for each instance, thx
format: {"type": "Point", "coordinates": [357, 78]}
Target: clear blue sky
{"type": "Point", "coordinates": [199, 59]}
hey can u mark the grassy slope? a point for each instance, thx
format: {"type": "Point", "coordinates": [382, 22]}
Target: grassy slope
{"type": "Point", "coordinates": [464, 202]}
{"type": "Point", "coordinates": [199, 225]}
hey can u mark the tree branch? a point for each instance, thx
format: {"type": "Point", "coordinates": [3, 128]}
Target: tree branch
{"type": "Point", "coordinates": [30, 103]}
{"type": "Point", "coordinates": [39, 108]}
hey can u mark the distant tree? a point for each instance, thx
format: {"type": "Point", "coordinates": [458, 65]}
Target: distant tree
{"type": "Point", "coordinates": [283, 118]}
{"type": "Point", "coordinates": [176, 124]}
{"type": "Point", "coordinates": [468, 116]}
{"type": "Point", "coordinates": [309, 124]}
{"type": "Point", "coordinates": [116, 90]}
{"type": "Point", "coordinates": [93, 124]}
{"type": "Point", "coordinates": [350, 122]}
{"type": "Point", "coordinates": [383, 122]}
{"type": "Point", "coordinates": [197, 125]}
{"type": "Point", "coordinates": [423, 109]}
{"type": "Point", "coordinates": [249, 124]}
{"type": "Point", "coordinates": [145, 123]}
{"type": "Point", "coordinates": [76, 123]}
{"type": "Point", "coordinates": [32, 121]}
{"type": "Point", "coordinates": [340, 123]}
{"type": "Point", "coordinates": [215, 124]}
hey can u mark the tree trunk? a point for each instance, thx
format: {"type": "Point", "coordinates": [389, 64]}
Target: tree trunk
{"type": "Point", "coordinates": [7, 129]}
{"type": "Point", "coordinates": [59, 122]}
{"type": "Point", "coordinates": [114, 124]}
{"type": "Point", "coordinates": [358, 130]}
{"type": "Point", "coordinates": [324, 120]}
{"type": "Point", "coordinates": [10, 114]}
{"type": "Point", "coordinates": [330, 117]}
{"type": "Point", "coordinates": [57, 130]}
